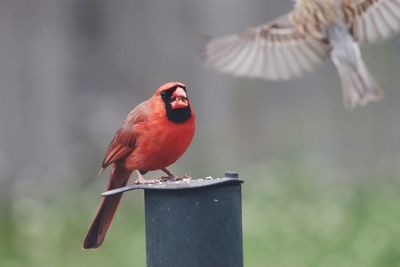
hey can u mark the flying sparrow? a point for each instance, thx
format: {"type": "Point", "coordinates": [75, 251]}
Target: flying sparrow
{"type": "Point", "coordinates": [301, 41]}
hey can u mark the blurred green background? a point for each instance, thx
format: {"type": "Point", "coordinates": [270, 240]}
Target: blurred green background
{"type": "Point", "coordinates": [322, 183]}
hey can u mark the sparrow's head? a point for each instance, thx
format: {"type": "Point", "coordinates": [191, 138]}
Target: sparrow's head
{"type": "Point", "coordinates": [176, 101]}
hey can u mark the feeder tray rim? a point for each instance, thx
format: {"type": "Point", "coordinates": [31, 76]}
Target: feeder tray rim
{"type": "Point", "coordinates": [176, 185]}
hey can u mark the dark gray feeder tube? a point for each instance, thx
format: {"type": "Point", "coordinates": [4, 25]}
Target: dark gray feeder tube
{"type": "Point", "coordinates": [193, 224]}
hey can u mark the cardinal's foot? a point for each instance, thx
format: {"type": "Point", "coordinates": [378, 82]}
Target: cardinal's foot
{"type": "Point", "coordinates": [175, 178]}
{"type": "Point", "coordinates": [141, 180]}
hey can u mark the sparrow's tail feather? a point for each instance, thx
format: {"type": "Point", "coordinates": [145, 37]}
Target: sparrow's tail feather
{"type": "Point", "coordinates": [359, 86]}
{"type": "Point", "coordinates": [106, 210]}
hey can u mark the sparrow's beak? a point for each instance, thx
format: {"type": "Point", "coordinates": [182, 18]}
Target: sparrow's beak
{"type": "Point", "coordinates": [179, 99]}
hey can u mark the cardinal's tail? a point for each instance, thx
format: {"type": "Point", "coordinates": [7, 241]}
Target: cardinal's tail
{"type": "Point", "coordinates": [106, 210]}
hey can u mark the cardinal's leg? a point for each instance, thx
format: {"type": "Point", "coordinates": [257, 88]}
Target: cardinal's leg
{"type": "Point", "coordinates": [170, 177]}
{"type": "Point", "coordinates": [173, 177]}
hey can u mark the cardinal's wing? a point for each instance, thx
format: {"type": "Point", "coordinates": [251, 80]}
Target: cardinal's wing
{"type": "Point", "coordinates": [124, 141]}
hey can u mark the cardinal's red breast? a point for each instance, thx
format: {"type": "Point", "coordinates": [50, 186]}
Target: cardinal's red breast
{"type": "Point", "coordinates": [159, 140]}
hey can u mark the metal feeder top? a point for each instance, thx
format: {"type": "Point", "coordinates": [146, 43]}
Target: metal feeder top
{"type": "Point", "coordinates": [230, 178]}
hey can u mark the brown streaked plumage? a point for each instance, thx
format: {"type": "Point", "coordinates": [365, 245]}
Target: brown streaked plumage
{"type": "Point", "coordinates": [302, 40]}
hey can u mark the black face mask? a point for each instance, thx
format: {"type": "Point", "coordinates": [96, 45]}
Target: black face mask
{"type": "Point", "coordinates": [176, 115]}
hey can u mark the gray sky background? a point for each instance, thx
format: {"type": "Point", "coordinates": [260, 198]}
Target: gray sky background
{"type": "Point", "coordinates": [71, 70]}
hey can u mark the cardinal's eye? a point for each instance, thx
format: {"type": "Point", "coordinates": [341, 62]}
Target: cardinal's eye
{"type": "Point", "coordinates": [163, 94]}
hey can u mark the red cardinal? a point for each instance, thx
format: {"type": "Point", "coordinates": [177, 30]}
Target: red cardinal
{"type": "Point", "coordinates": [153, 136]}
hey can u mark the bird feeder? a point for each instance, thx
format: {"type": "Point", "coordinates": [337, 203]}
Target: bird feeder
{"type": "Point", "coordinates": [193, 223]}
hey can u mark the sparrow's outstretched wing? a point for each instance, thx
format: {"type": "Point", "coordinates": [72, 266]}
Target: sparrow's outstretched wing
{"type": "Point", "coordinates": [374, 20]}
{"type": "Point", "coordinates": [276, 51]}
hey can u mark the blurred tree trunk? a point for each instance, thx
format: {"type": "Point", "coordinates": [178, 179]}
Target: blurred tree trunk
{"type": "Point", "coordinates": [34, 51]}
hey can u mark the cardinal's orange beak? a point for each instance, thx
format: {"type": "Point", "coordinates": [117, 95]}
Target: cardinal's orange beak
{"type": "Point", "coordinates": [179, 99]}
